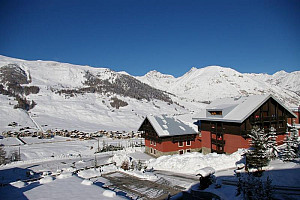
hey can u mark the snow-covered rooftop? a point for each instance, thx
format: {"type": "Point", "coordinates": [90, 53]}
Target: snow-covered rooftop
{"type": "Point", "coordinates": [235, 109]}
{"type": "Point", "coordinates": [169, 126]}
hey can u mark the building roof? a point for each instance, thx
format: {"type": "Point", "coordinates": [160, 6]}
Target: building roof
{"type": "Point", "coordinates": [169, 126]}
{"type": "Point", "coordinates": [235, 109]}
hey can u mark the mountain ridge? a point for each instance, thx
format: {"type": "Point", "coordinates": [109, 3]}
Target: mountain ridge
{"type": "Point", "coordinates": [200, 84]}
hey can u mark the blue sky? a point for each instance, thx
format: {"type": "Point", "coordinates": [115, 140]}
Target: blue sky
{"type": "Point", "coordinates": [169, 36]}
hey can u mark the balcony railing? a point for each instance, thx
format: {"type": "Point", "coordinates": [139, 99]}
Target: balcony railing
{"type": "Point", "coordinates": [267, 119]}
{"type": "Point", "coordinates": [278, 131]}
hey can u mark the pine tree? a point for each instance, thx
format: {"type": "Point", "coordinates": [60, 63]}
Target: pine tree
{"type": "Point", "coordinates": [254, 188]}
{"type": "Point", "coordinates": [288, 153]}
{"type": "Point", "coordinates": [2, 156]}
{"type": "Point", "coordinates": [294, 139]}
{"type": "Point", "coordinates": [272, 144]}
{"type": "Point", "coordinates": [257, 157]}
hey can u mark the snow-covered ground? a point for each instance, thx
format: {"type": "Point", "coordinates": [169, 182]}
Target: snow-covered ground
{"type": "Point", "coordinates": [71, 187]}
{"type": "Point", "coordinates": [57, 158]}
{"type": "Point", "coordinates": [192, 162]}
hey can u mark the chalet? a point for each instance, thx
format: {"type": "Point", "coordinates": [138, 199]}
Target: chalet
{"type": "Point", "coordinates": [225, 123]}
{"type": "Point", "coordinates": [165, 135]}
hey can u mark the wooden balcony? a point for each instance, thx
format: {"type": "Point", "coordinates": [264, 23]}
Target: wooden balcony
{"type": "Point", "coordinates": [278, 131]}
{"type": "Point", "coordinates": [217, 131]}
{"type": "Point", "coordinates": [183, 138]}
{"type": "Point", "coordinates": [267, 119]}
{"type": "Point", "coordinates": [218, 142]}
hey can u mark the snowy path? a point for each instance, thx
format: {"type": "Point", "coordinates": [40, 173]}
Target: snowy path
{"type": "Point", "coordinates": [33, 121]}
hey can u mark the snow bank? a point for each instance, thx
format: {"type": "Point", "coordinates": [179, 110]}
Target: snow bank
{"type": "Point", "coordinates": [192, 162]}
{"type": "Point", "coordinates": [18, 184]}
{"type": "Point", "coordinates": [46, 179]}
{"type": "Point", "coordinates": [69, 169]}
{"type": "Point", "coordinates": [119, 158]}
{"type": "Point", "coordinates": [109, 168]}
{"type": "Point", "coordinates": [65, 175]}
{"type": "Point", "coordinates": [86, 182]}
{"type": "Point", "coordinates": [124, 155]}
{"type": "Point", "coordinates": [89, 173]}
{"type": "Point", "coordinates": [109, 193]}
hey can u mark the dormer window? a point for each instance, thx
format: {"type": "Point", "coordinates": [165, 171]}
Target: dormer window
{"type": "Point", "coordinates": [215, 112]}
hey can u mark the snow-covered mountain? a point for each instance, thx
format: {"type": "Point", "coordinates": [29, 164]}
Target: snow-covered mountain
{"type": "Point", "coordinates": [285, 80]}
{"type": "Point", "coordinates": [52, 95]}
{"type": "Point", "coordinates": [66, 96]}
{"type": "Point", "coordinates": [212, 82]}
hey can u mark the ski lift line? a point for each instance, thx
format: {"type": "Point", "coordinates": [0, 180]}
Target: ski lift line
{"type": "Point", "coordinates": [34, 122]}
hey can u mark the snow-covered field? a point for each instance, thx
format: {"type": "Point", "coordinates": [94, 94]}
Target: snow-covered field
{"type": "Point", "coordinates": [59, 157]}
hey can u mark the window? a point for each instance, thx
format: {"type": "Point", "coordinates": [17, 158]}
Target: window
{"type": "Point", "coordinates": [151, 142]}
{"type": "Point", "coordinates": [188, 143]}
{"type": "Point", "coordinates": [154, 151]}
{"type": "Point", "coordinates": [215, 112]}
{"type": "Point", "coordinates": [154, 143]}
{"type": "Point", "coordinates": [181, 152]}
{"type": "Point", "coordinates": [188, 150]}
{"type": "Point", "coordinates": [180, 144]}
{"type": "Point", "coordinates": [151, 150]}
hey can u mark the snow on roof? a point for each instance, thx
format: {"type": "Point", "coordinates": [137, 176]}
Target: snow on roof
{"type": "Point", "coordinates": [235, 109]}
{"type": "Point", "coordinates": [169, 126]}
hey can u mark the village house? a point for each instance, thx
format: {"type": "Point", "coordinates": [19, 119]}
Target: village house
{"type": "Point", "coordinates": [225, 123]}
{"type": "Point", "coordinates": [165, 135]}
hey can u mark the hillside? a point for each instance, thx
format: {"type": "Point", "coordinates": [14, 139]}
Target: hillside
{"type": "Point", "coordinates": [66, 96]}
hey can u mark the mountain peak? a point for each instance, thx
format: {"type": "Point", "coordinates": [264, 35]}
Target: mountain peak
{"type": "Point", "coordinates": [157, 74]}
{"type": "Point", "coordinates": [192, 69]}
{"type": "Point", "coordinates": [280, 73]}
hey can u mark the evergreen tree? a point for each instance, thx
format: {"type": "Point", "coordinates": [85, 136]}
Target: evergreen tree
{"type": "Point", "coordinates": [2, 156]}
{"type": "Point", "coordinates": [272, 144]}
{"type": "Point", "coordinates": [257, 157]}
{"type": "Point", "coordinates": [294, 139]}
{"type": "Point", "coordinates": [253, 188]}
{"type": "Point", "coordinates": [288, 153]}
